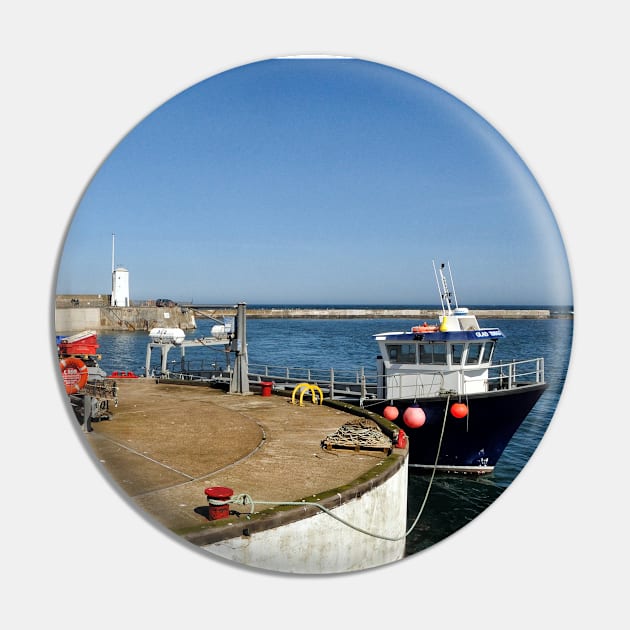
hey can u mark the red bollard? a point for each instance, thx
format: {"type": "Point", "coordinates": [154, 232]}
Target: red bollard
{"type": "Point", "coordinates": [265, 388]}
{"type": "Point", "coordinates": [402, 439]}
{"type": "Point", "coordinates": [218, 493]}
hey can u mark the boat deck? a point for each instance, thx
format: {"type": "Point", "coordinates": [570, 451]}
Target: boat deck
{"type": "Point", "coordinates": [166, 443]}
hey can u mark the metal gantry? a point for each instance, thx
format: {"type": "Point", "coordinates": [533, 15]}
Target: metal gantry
{"type": "Point", "coordinates": [234, 340]}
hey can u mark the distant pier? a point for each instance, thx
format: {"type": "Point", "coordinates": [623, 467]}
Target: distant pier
{"type": "Point", "coordinates": [73, 314]}
{"type": "Point", "coordinates": [369, 313]}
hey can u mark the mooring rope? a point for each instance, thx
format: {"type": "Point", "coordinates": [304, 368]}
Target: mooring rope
{"type": "Point", "coordinates": [245, 499]}
{"type": "Point", "coordinates": [435, 463]}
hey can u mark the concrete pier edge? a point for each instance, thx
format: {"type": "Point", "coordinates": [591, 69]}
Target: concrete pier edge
{"type": "Point", "coordinates": [280, 515]}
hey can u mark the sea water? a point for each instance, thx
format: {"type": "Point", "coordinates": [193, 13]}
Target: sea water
{"type": "Point", "coordinates": [453, 501]}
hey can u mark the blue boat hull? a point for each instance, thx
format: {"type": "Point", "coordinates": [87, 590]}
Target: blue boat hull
{"type": "Point", "coordinates": [472, 444]}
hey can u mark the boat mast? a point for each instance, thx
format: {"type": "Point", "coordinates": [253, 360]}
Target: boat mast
{"type": "Point", "coordinates": [452, 284]}
{"type": "Point", "coordinates": [445, 293]}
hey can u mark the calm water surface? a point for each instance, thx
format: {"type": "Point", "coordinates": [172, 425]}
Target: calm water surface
{"type": "Point", "coordinates": [453, 501]}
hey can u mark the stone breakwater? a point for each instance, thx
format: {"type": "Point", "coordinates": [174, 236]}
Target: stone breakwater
{"type": "Point", "coordinates": [143, 318]}
{"type": "Point", "coordinates": [377, 313]}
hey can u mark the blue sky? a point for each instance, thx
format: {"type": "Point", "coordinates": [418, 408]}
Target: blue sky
{"type": "Point", "coordinates": [316, 181]}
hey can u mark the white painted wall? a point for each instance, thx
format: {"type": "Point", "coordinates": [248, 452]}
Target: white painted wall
{"type": "Point", "coordinates": [321, 544]}
{"type": "Point", "coordinates": [73, 319]}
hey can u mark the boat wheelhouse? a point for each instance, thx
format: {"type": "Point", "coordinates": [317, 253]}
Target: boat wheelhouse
{"type": "Point", "coordinates": [454, 356]}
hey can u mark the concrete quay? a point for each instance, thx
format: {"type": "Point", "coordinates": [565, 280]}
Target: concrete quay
{"type": "Point", "coordinates": [166, 443]}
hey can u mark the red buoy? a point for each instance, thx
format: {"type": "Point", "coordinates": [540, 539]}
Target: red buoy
{"type": "Point", "coordinates": [390, 412]}
{"type": "Point", "coordinates": [414, 417]}
{"type": "Point", "coordinates": [459, 410]}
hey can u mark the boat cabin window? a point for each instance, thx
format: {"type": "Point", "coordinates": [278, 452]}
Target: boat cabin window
{"type": "Point", "coordinates": [479, 353]}
{"type": "Point", "coordinates": [487, 351]}
{"type": "Point", "coordinates": [474, 353]}
{"type": "Point", "coordinates": [402, 352]}
{"type": "Point", "coordinates": [457, 352]}
{"type": "Point", "coordinates": [433, 352]}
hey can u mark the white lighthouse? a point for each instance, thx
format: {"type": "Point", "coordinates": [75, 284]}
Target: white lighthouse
{"type": "Point", "coordinates": [120, 283]}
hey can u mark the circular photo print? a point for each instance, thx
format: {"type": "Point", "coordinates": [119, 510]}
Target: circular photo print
{"type": "Point", "coordinates": [313, 315]}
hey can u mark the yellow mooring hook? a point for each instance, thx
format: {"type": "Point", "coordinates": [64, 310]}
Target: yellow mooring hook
{"type": "Point", "coordinates": [304, 388]}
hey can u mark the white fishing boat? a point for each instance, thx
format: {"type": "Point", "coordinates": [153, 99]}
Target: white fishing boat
{"type": "Point", "coordinates": [439, 383]}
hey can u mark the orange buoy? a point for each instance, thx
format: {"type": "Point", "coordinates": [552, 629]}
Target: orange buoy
{"type": "Point", "coordinates": [390, 412]}
{"type": "Point", "coordinates": [459, 410]}
{"type": "Point", "coordinates": [414, 417]}
{"type": "Point", "coordinates": [74, 373]}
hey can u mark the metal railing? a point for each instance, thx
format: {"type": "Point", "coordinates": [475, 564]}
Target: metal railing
{"type": "Point", "coordinates": [361, 383]}
{"type": "Point", "coordinates": [511, 374]}
{"type": "Point", "coordinates": [335, 382]}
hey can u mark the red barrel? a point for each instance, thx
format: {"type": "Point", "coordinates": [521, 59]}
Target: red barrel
{"type": "Point", "coordinates": [265, 388]}
{"type": "Point", "coordinates": [218, 493]}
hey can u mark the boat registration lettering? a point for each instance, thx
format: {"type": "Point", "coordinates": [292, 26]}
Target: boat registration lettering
{"type": "Point", "coordinates": [487, 333]}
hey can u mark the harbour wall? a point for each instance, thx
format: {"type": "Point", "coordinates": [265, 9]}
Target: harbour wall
{"type": "Point", "coordinates": [111, 318]}
{"type": "Point", "coordinates": [384, 313]}
{"type": "Point", "coordinates": [122, 318]}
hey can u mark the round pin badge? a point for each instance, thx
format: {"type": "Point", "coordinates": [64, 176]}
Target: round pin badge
{"type": "Point", "coordinates": [313, 315]}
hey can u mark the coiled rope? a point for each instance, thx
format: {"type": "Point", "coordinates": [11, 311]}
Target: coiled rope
{"type": "Point", "coordinates": [359, 434]}
{"type": "Point", "coordinates": [245, 499]}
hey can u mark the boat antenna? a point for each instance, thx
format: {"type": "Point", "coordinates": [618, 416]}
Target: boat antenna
{"type": "Point", "coordinates": [444, 291]}
{"type": "Point", "coordinates": [452, 284]}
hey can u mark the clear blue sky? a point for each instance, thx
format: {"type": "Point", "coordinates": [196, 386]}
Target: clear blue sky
{"type": "Point", "coordinates": [316, 181]}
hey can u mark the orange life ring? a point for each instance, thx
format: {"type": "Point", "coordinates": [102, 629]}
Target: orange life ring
{"type": "Point", "coordinates": [74, 373]}
{"type": "Point", "coordinates": [425, 328]}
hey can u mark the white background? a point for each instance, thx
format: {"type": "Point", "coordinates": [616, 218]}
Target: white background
{"type": "Point", "coordinates": [551, 77]}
